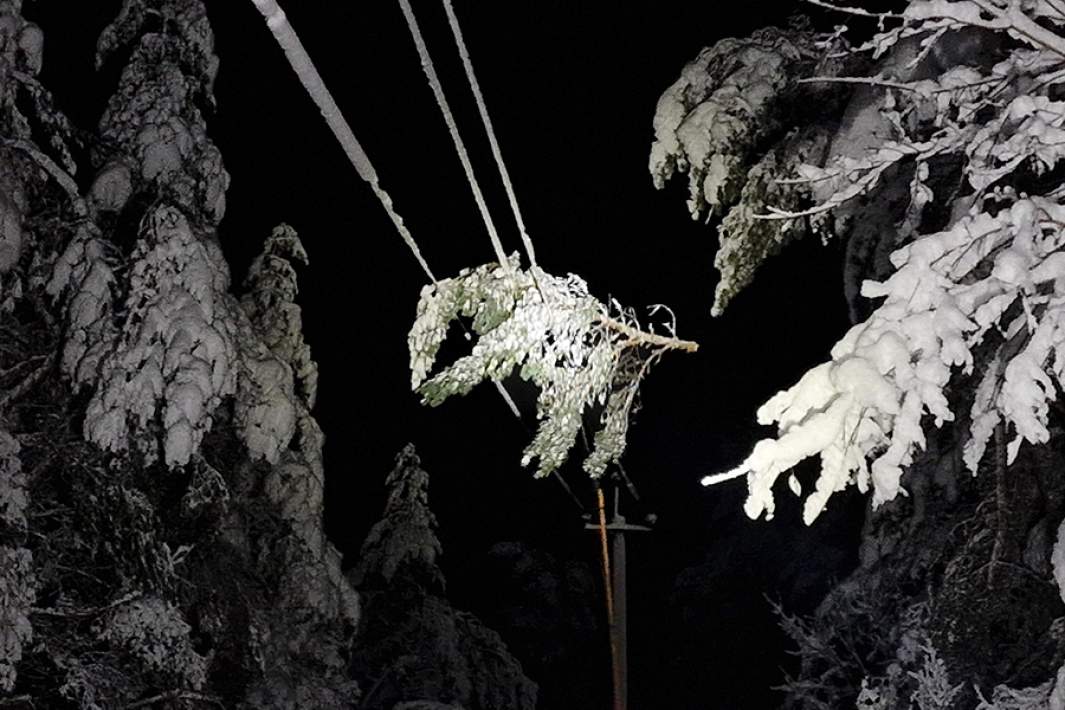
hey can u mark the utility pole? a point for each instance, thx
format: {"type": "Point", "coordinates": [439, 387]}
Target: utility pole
{"type": "Point", "coordinates": [614, 568]}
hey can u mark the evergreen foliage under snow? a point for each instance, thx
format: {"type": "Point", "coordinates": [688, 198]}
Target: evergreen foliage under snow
{"type": "Point", "coordinates": [406, 533]}
{"type": "Point", "coordinates": [555, 335]}
{"type": "Point", "coordinates": [976, 284]}
{"type": "Point", "coordinates": [161, 537]}
{"type": "Point", "coordinates": [413, 648]}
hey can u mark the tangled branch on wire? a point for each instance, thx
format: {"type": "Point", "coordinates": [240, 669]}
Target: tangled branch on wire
{"type": "Point", "coordinates": [566, 342]}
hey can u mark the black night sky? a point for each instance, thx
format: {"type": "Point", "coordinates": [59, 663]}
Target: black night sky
{"type": "Point", "coordinates": [571, 87]}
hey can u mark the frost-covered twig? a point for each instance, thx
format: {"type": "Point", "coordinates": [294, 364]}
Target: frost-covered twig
{"type": "Point", "coordinates": [915, 87]}
{"type": "Point", "coordinates": [866, 80]}
{"type": "Point", "coordinates": [172, 695]}
{"type": "Point", "coordinates": [857, 11]}
{"type": "Point", "coordinates": [61, 176]}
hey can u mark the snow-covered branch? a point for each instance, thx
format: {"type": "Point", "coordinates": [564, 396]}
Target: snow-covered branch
{"type": "Point", "coordinates": [975, 283]}
{"type": "Point", "coordinates": [557, 336]}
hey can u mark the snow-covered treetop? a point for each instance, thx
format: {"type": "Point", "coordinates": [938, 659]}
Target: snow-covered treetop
{"type": "Point", "coordinates": [976, 281]}
{"type": "Point", "coordinates": [270, 303]}
{"type": "Point", "coordinates": [406, 533]}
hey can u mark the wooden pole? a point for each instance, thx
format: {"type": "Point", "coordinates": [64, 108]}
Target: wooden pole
{"type": "Point", "coordinates": [614, 576]}
{"type": "Point", "coordinates": [617, 673]}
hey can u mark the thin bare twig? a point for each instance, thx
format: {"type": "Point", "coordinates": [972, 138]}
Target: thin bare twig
{"type": "Point", "coordinates": [635, 337]}
{"type": "Point", "coordinates": [86, 612]}
{"type": "Point", "coordinates": [175, 695]}
{"type": "Point", "coordinates": [867, 80]}
{"type": "Point", "coordinates": [26, 385]}
{"type": "Point", "coordinates": [61, 176]}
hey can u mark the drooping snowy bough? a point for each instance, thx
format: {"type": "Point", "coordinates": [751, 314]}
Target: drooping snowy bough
{"type": "Point", "coordinates": [968, 267]}
{"type": "Point", "coordinates": [570, 345]}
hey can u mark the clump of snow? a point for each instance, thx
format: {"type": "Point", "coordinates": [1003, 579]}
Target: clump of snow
{"type": "Point", "coordinates": [13, 498]}
{"type": "Point", "coordinates": [84, 275]}
{"type": "Point", "coordinates": [154, 631]}
{"type": "Point", "coordinates": [151, 120]}
{"type": "Point", "coordinates": [177, 346]}
{"type": "Point", "coordinates": [1036, 697]}
{"type": "Point", "coordinates": [17, 594]}
{"type": "Point", "coordinates": [112, 187]}
{"type": "Point", "coordinates": [265, 410]}
{"type": "Point", "coordinates": [710, 119]}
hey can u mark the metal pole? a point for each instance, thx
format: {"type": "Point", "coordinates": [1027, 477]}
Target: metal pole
{"type": "Point", "coordinates": [617, 599]}
{"type": "Point", "coordinates": [620, 616]}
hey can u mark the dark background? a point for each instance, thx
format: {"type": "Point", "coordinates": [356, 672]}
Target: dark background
{"type": "Point", "coordinates": [571, 87]}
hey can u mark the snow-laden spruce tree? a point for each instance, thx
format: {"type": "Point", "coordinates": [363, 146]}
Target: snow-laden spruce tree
{"type": "Point", "coordinates": [940, 162]}
{"type": "Point", "coordinates": [412, 644]}
{"type": "Point", "coordinates": [161, 476]}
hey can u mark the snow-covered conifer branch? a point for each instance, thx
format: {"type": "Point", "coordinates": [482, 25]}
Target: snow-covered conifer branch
{"type": "Point", "coordinates": [556, 336]}
{"type": "Point", "coordinates": [980, 287]}
{"type": "Point", "coordinates": [717, 118]}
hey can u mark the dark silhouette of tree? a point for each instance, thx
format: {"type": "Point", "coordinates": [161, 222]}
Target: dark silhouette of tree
{"type": "Point", "coordinates": [412, 645]}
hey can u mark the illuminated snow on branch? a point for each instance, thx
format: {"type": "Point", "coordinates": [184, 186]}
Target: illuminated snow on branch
{"type": "Point", "coordinates": [18, 585]}
{"type": "Point", "coordinates": [177, 347]}
{"type": "Point", "coordinates": [556, 336]}
{"type": "Point", "coordinates": [983, 295]}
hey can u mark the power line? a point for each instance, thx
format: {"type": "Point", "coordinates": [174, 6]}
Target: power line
{"type": "Point", "coordinates": [482, 109]}
{"type": "Point", "coordinates": [452, 127]}
{"type": "Point", "coordinates": [312, 81]}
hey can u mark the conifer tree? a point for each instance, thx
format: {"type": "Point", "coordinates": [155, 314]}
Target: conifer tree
{"type": "Point", "coordinates": [413, 646]}
{"type": "Point", "coordinates": [160, 468]}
